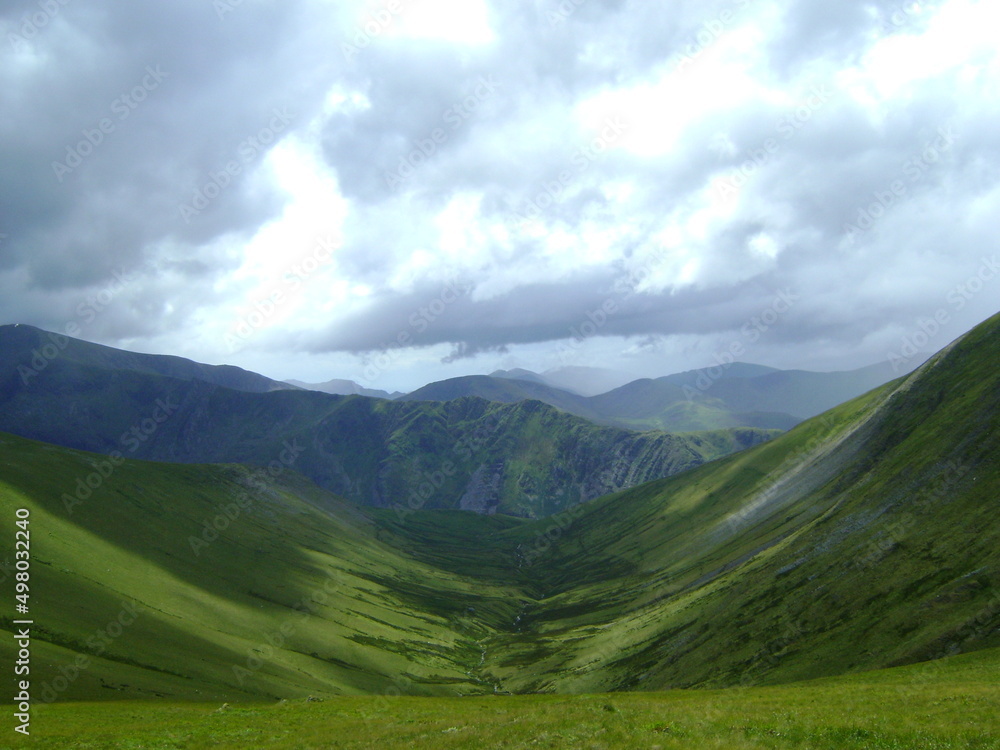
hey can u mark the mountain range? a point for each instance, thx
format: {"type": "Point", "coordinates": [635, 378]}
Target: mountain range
{"type": "Point", "coordinates": [523, 458]}
{"type": "Point", "coordinates": [863, 538]}
{"type": "Point", "coordinates": [734, 395]}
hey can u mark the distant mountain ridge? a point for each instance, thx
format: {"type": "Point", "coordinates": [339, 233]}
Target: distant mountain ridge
{"type": "Point", "coordinates": [524, 458]}
{"type": "Point", "coordinates": [341, 387]}
{"type": "Point", "coordinates": [582, 381]}
{"type": "Point", "coordinates": [35, 349]}
{"type": "Point", "coordinates": [738, 395]}
{"type": "Point", "coordinates": [866, 538]}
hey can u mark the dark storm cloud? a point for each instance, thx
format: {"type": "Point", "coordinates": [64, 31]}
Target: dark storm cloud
{"type": "Point", "coordinates": [116, 114]}
{"type": "Point", "coordinates": [581, 308]}
{"type": "Point", "coordinates": [763, 149]}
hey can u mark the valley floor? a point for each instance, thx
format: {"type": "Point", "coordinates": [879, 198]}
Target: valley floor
{"type": "Point", "coordinates": [952, 703]}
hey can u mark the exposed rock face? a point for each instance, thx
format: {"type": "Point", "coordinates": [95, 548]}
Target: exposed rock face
{"type": "Point", "coordinates": [526, 458]}
{"type": "Point", "coordinates": [483, 492]}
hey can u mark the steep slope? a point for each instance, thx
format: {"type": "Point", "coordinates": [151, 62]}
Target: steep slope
{"type": "Point", "coordinates": [26, 353]}
{"type": "Point", "coordinates": [218, 582]}
{"type": "Point", "coordinates": [524, 459]}
{"type": "Point", "coordinates": [861, 539]}
{"type": "Point", "coordinates": [864, 538]}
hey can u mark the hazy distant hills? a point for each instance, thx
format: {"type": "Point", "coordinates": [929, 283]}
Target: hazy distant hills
{"type": "Point", "coordinates": [866, 537]}
{"type": "Point", "coordinates": [583, 381]}
{"type": "Point", "coordinates": [524, 458]}
{"type": "Point", "coordinates": [740, 395]}
{"type": "Point", "coordinates": [339, 387]}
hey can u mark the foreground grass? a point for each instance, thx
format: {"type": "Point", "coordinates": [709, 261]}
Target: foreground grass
{"type": "Point", "coordinates": [942, 705]}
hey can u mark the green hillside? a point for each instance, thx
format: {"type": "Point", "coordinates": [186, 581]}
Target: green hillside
{"type": "Point", "coordinates": [233, 585]}
{"type": "Point", "coordinates": [865, 538]}
{"type": "Point", "coordinates": [527, 458]}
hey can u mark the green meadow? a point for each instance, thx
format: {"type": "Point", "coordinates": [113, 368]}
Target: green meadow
{"type": "Point", "coordinates": [946, 705]}
{"type": "Point", "coordinates": [836, 587]}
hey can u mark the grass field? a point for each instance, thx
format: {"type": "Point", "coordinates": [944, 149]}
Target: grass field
{"type": "Point", "coordinates": [944, 705]}
{"type": "Point", "coordinates": [688, 612]}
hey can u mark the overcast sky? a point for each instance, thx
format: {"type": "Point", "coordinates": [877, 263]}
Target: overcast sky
{"type": "Point", "coordinates": [398, 192]}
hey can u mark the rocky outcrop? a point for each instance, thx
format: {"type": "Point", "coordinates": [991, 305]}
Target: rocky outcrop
{"type": "Point", "coordinates": [482, 495]}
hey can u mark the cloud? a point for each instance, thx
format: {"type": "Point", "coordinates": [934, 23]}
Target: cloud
{"type": "Point", "coordinates": [536, 152]}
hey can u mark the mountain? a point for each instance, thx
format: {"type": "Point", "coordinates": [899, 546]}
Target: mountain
{"type": "Point", "coordinates": [26, 352]}
{"type": "Point", "coordinates": [798, 392]}
{"type": "Point", "coordinates": [580, 381]}
{"type": "Point", "coordinates": [519, 373]}
{"type": "Point", "coordinates": [587, 381]}
{"type": "Point", "coordinates": [738, 395]}
{"type": "Point", "coordinates": [704, 377]}
{"type": "Point", "coordinates": [505, 391]}
{"type": "Point", "coordinates": [343, 388]}
{"type": "Point", "coordinates": [864, 538]}
{"type": "Point", "coordinates": [523, 458]}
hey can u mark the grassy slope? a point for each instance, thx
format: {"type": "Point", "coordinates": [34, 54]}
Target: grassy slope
{"type": "Point", "coordinates": [948, 705]}
{"type": "Point", "coordinates": [863, 538]}
{"type": "Point", "coordinates": [385, 620]}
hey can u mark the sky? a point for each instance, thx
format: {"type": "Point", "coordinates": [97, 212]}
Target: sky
{"type": "Point", "coordinates": [401, 191]}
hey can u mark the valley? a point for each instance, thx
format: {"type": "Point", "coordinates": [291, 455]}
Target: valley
{"type": "Point", "coordinates": [862, 539]}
